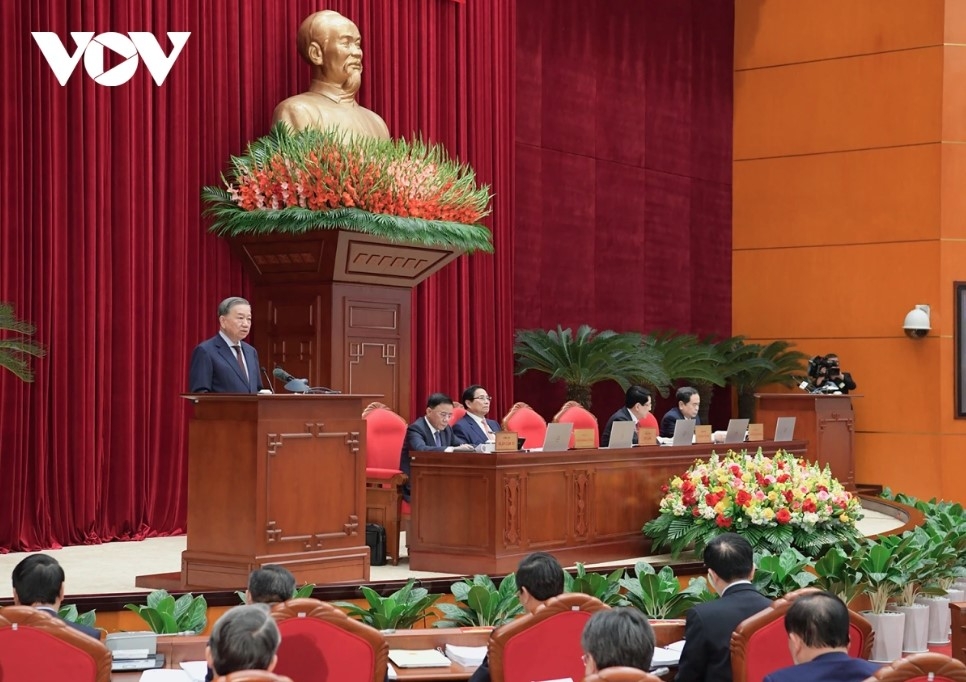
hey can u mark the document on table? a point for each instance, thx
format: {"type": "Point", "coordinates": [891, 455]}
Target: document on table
{"type": "Point", "coordinates": [197, 670]}
{"type": "Point", "coordinates": [468, 656]}
{"type": "Point", "coordinates": [419, 658]}
{"type": "Point", "coordinates": [163, 675]}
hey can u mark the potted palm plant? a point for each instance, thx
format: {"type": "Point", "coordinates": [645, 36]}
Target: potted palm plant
{"type": "Point", "coordinates": [684, 358]}
{"type": "Point", "coordinates": [780, 365]}
{"type": "Point", "coordinates": [585, 358]}
{"type": "Point", "coordinates": [16, 350]}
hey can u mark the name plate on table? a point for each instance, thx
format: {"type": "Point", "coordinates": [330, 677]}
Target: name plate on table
{"type": "Point", "coordinates": [583, 439]}
{"type": "Point", "coordinates": [647, 435]}
{"type": "Point", "coordinates": [506, 441]}
{"type": "Point", "coordinates": [702, 433]}
{"type": "Point", "coordinates": [756, 432]}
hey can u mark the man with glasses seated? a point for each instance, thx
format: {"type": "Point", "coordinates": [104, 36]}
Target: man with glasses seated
{"type": "Point", "coordinates": [474, 428]}
{"type": "Point", "coordinates": [431, 432]}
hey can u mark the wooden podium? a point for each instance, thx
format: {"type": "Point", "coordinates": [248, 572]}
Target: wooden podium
{"type": "Point", "coordinates": [276, 479]}
{"type": "Point", "coordinates": [827, 422]}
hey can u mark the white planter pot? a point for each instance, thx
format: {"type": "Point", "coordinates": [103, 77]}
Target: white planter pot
{"type": "Point", "coordinates": [938, 618]}
{"type": "Point", "coordinates": [960, 584]}
{"type": "Point", "coordinates": [956, 593]}
{"type": "Point", "coordinates": [888, 628]}
{"type": "Point", "coordinates": [915, 632]}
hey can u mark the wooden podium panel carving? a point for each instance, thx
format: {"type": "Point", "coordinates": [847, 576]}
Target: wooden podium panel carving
{"type": "Point", "coordinates": [476, 513]}
{"type": "Point", "coordinates": [335, 307]}
{"type": "Point", "coordinates": [276, 479]}
{"type": "Point", "coordinates": [827, 422]}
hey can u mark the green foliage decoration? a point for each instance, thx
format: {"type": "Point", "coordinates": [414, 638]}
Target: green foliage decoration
{"type": "Point", "coordinates": [16, 350]}
{"type": "Point", "coordinates": [71, 615]}
{"type": "Point", "coordinates": [659, 594]}
{"type": "Point", "coordinates": [778, 574]}
{"type": "Point", "coordinates": [400, 609]}
{"type": "Point", "coordinates": [604, 587]}
{"type": "Point", "coordinates": [480, 602]}
{"type": "Point", "coordinates": [169, 616]}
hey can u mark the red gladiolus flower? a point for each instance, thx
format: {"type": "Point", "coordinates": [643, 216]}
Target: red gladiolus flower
{"type": "Point", "coordinates": [782, 478]}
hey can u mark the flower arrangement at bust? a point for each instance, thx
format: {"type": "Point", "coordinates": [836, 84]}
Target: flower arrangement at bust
{"type": "Point", "coordinates": [324, 179]}
{"type": "Point", "coordinates": [775, 502]}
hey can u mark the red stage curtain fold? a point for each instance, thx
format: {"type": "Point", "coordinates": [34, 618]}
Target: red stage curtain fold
{"type": "Point", "coordinates": [103, 244]}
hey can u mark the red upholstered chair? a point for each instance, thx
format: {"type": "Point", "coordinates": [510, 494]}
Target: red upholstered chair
{"type": "Point", "coordinates": [458, 412]}
{"type": "Point", "coordinates": [759, 645]}
{"type": "Point", "coordinates": [574, 413]}
{"type": "Point", "coordinates": [544, 645]}
{"type": "Point", "coordinates": [253, 676]}
{"type": "Point", "coordinates": [622, 674]}
{"type": "Point", "coordinates": [321, 643]}
{"type": "Point", "coordinates": [922, 667]}
{"type": "Point", "coordinates": [37, 646]}
{"type": "Point", "coordinates": [527, 424]}
{"type": "Point", "coordinates": [385, 433]}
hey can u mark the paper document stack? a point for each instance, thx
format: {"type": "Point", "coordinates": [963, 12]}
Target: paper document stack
{"type": "Point", "coordinates": [419, 658]}
{"type": "Point", "coordinates": [467, 656]}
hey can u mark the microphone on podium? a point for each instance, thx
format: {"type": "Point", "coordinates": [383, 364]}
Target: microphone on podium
{"type": "Point", "coordinates": [271, 386]}
{"type": "Point", "coordinates": [291, 383]}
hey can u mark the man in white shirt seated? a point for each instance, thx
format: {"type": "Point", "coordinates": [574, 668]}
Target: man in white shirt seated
{"type": "Point", "coordinates": [474, 428]}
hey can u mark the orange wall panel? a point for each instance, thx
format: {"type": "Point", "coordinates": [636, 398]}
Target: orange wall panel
{"type": "Point", "coordinates": [953, 184]}
{"type": "Point", "coordinates": [865, 196]}
{"type": "Point", "coordinates": [954, 93]}
{"type": "Point", "coordinates": [907, 463]}
{"type": "Point", "coordinates": [790, 31]}
{"type": "Point", "coordinates": [863, 290]}
{"type": "Point", "coordinates": [882, 100]}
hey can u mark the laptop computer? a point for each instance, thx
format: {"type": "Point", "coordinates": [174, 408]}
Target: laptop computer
{"type": "Point", "coordinates": [622, 434]}
{"type": "Point", "coordinates": [133, 651]}
{"type": "Point", "coordinates": [736, 431]}
{"type": "Point", "coordinates": [683, 432]}
{"type": "Point", "coordinates": [785, 428]}
{"type": "Point", "coordinates": [558, 437]}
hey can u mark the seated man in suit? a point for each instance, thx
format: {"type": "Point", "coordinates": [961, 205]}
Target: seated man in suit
{"type": "Point", "coordinates": [539, 578]}
{"type": "Point", "coordinates": [431, 432]}
{"type": "Point", "coordinates": [474, 428]}
{"type": "Point", "coordinates": [689, 402]}
{"type": "Point", "coordinates": [617, 637]}
{"type": "Point", "coordinates": [707, 632]}
{"type": "Point", "coordinates": [245, 638]}
{"type": "Point", "coordinates": [637, 408]}
{"type": "Point", "coordinates": [270, 584]}
{"type": "Point", "coordinates": [818, 639]}
{"type": "Point", "coordinates": [225, 363]}
{"type": "Point", "coordinates": [38, 581]}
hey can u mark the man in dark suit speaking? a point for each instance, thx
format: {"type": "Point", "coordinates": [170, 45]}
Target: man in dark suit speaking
{"type": "Point", "coordinates": [706, 656]}
{"type": "Point", "coordinates": [225, 363]}
{"type": "Point", "coordinates": [431, 432]}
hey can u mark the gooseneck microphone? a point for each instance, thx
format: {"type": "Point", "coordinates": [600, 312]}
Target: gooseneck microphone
{"type": "Point", "coordinates": [299, 385]}
{"type": "Point", "coordinates": [282, 375]}
{"type": "Point", "coordinates": [271, 385]}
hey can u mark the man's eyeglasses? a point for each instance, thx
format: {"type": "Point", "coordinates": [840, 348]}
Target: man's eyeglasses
{"type": "Point", "coordinates": [485, 398]}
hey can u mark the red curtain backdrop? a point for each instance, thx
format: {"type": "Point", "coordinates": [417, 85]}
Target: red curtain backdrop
{"type": "Point", "coordinates": [623, 171]}
{"type": "Point", "coordinates": [103, 246]}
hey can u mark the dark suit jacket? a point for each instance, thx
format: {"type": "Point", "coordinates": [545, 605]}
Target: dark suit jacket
{"type": "Point", "coordinates": [831, 667]}
{"type": "Point", "coordinates": [482, 674]}
{"type": "Point", "coordinates": [420, 437]}
{"type": "Point", "coordinates": [92, 632]}
{"type": "Point", "coordinates": [706, 656]}
{"type": "Point", "coordinates": [214, 368]}
{"type": "Point", "coordinates": [671, 418]}
{"type": "Point", "coordinates": [468, 431]}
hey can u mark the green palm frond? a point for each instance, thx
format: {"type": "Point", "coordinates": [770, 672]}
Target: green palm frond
{"type": "Point", "coordinates": [15, 351]}
{"type": "Point", "coordinates": [779, 365]}
{"type": "Point", "coordinates": [684, 358]}
{"type": "Point", "coordinates": [585, 358]}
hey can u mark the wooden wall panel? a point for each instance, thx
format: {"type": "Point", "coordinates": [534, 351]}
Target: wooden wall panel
{"type": "Point", "coordinates": [885, 458]}
{"type": "Point", "coordinates": [791, 31]}
{"type": "Point", "coordinates": [880, 100]}
{"type": "Point", "coordinates": [863, 196]}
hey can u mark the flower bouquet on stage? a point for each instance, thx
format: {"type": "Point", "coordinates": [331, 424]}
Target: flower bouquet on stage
{"type": "Point", "coordinates": [775, 502]}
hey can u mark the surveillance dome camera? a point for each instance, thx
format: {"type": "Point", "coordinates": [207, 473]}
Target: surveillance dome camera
{"type": "Point", "coordinates": [916, 324]}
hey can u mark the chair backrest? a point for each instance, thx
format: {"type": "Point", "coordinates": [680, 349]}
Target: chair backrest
{"type": "Point", "coordinates": [574, 413]}
{"type": "Point", "coordinates": [38, 646]}
{"type": "Point", "coordinates": [252, 676]}
{"type": "Point", "coordinates": [922, 667]}
{"type": "Point", "coordinates": [759, 645]}
{"type": "Point", "coordinates": [621, 674]}
{"type": "Point", "coordinates": [320, 642]}
{"type": "Point", "coordinates": [385, 433]}
{"type": "Point", "coordinates": [544, 645]}
{"type": "Point", "coordinates": [527, 424]}
{"type": "Point", "coordinates": [458, 413]}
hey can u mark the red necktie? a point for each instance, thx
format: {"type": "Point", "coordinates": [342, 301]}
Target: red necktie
{"type": "Point", "coordinates": [241, 362]}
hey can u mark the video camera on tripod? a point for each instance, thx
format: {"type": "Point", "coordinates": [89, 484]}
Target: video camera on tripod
{"type": "Point", "coordinates": [825, 375]}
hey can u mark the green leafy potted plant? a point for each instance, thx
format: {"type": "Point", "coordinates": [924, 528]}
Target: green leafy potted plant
{"type": "Point", "coordinates": [778, 574]}
{"type": "Point", "coordinates": [16, 350]}
{"type": "Point", "coordinates": [400, 609]}
{"type": "Point", "coordinates": [659, 594]}
{"type": "Point", "coordinates": [920, 563]}
{"type": "Point", "coordinates": [604, 587]}
{"type": "Point", "coordinates": [883, 578]}
{"type": "Point", "coordinates": [479, 602]}
{"type": "Point", "coordinates": [169, 616]}
{"type": "Point", "coordinates": [837, 570]}
{"type": "Point", "coordinates": [71, 615]}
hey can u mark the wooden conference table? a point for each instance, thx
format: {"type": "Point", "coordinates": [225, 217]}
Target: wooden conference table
{"type": "Point", "coordinates": [482, 513]}
{"type": "Point", "coordinates": [177, 649]}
